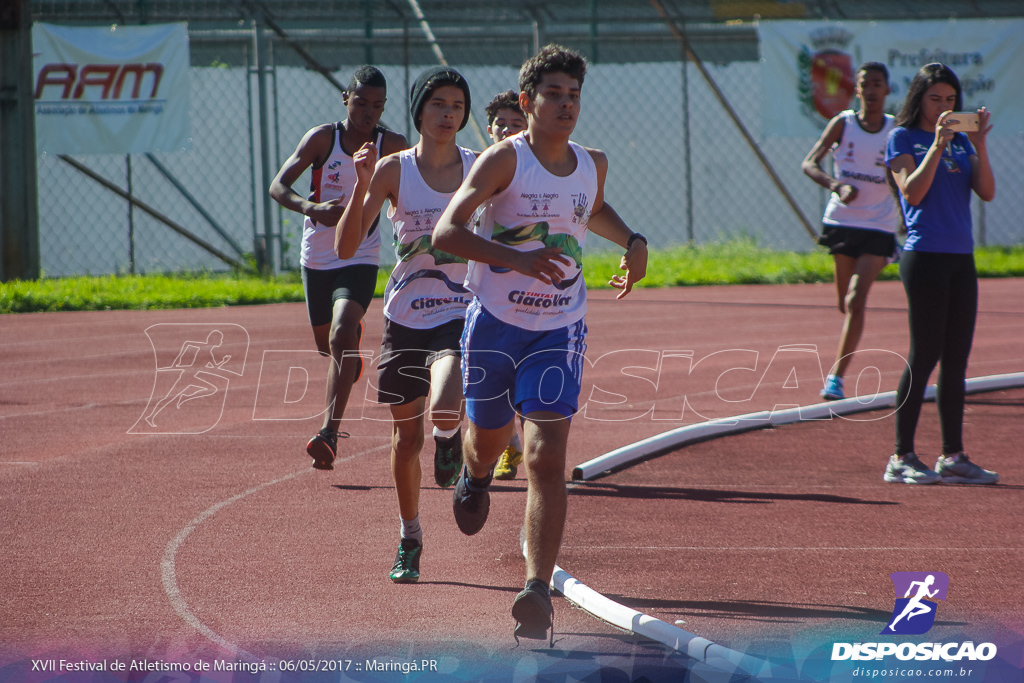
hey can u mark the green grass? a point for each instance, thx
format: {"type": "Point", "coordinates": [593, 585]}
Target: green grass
{"type": "Point", "coordinates": [740, 262]}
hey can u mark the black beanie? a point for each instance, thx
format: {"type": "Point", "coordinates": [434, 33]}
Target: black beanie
{"type": "Point", "coordinates": [430, 79]}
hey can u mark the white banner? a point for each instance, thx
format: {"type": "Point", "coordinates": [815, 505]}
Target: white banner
{"type": "Point", "coordinates": [809, 67]}
{"type": "Point", "coordinates": [111, 90]}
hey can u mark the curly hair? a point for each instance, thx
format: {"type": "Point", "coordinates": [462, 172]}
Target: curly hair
{"type": "Point", "coordinates": [551, 59]}
{"type": "Point", "coordinates": [503, 100]}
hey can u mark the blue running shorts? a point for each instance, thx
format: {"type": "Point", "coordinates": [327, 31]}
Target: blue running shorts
{"type": "Point", "coordinates": [508, 369]}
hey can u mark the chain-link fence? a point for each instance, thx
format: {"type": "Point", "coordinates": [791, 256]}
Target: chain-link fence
{"type": "Point", "coordinates": [682, 168]}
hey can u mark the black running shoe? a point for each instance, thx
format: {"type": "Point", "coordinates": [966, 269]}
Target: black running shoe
{"type": "Point", "coordinates": [533, 613]}
{"type": "Point", "coordinates": [407, 561]}
{"type": "Point", "coordinates": [470, 506]}
{"type": "Point", "coordinates": [323, 448]}
{"type": "Point", "coordinates": [447, 459]}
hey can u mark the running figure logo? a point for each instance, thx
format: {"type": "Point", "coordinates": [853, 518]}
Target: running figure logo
{"type": "Point", "coordinates": [194, 365]}
{"type": "Point", "coordinates": [914, 613]}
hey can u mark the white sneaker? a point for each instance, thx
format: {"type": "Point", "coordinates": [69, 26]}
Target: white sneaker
{"type": "Point", "coordinates": [908, 469]}
{"type": "Point", "coordinates": [957, 469]}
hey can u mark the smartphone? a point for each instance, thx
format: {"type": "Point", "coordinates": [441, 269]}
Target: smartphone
{"type": "Point", "coordinates": [963, 121]}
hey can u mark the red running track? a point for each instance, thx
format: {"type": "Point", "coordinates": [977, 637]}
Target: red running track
{"type": "Point", "coordinates": [206, 537]}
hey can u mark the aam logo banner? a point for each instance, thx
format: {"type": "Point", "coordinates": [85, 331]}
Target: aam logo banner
{"type": "Point", "coordinates": [111, 90]}
{"type": "Point", "coordinates": [916, 595]}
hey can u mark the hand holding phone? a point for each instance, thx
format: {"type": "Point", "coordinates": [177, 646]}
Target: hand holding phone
{"type": "Point", "coordinates": [963, 121]}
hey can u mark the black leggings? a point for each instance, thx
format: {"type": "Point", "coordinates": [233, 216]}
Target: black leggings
{"type": "Point", "coordinates": [942, 305]}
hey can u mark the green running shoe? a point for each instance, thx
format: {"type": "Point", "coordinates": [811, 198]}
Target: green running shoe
{"type": "Point", "coordinates": [407, 561]}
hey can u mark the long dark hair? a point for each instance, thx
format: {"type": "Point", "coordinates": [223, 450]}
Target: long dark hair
{"type": "Point", "coordinates": [929, 75]}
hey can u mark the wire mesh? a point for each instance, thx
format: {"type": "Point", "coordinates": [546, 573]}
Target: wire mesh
{"type": "Point", "coordinates": [680, 170]}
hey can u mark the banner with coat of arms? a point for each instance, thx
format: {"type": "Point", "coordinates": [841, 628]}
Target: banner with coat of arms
{"type": "Point", "coordinates": [809, 67]}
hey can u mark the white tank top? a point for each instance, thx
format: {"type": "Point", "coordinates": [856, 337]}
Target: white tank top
{"type": "Point", "coordinates": [537, 209]}
{"type": "Point", "coordinates": [859, 160]}
{"type": "Point", "coordinates": [335, 180]}
{"type": "Point", "coordinates": [425, 289]}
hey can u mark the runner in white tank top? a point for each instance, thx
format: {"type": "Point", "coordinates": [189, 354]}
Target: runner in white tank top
{"type": "Point", "coordinates": [425, 298]}
{"type": "Point", "coordinates": [426, 286]}
{"type": "Point", "coordinates": [333, 181]}
{"type": "Point", "coordinates": [537, 208]}
{"type": "Point", "coordinates": [859, 161]}
{"type": "Point", "coordinates": [862, 215]}
{"type": "Point", "coordinates": [505, 118]}
{"type": "Point", "coordinates": [544, 192]}
{"type": "Point", "coordinates": [338, 292]}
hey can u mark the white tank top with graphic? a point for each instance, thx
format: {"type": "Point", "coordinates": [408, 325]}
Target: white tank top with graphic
{"type": "Point", "coordinates": [859, 160]}
{"type": "Point", "coordinates": [537, 209]}
{"type": "Point", "coordinates": [426, 288]}
{"type": "Point", "coordinates": [335, 180]}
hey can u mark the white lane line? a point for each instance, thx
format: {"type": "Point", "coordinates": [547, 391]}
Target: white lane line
{"type": "Point", "coordinates": [169, 575]}
{"type": "Point", "coordinates": [168, 572]}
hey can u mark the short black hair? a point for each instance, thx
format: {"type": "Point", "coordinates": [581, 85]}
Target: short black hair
{"type": "Point", "coordinates": [877, 67]}
{"type": "Point", "coordinates": [367, 75]}
{"type": "Point", "coordinates": [551, 59]}
{"type": "Point", "coordinates": [508, 99]}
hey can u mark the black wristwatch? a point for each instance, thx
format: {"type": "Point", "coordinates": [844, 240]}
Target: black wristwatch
{"type": "Point", "coordinates": [633, 238]}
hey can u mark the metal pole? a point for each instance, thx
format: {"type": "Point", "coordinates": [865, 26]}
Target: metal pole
{"type": "Point", "coordinates": [264, 257]}
{"type": "Point", "coordinates": [19, 208]}
{"type": "Point", "coordinates": [368, 31]}
{"type": "Point", "coordinates": [181, 230]}
{"type": "Point", "coordinates": [687, 149]}
{"type": "Point", "coordinates": [439, 54]}
{"type": "Point", "coordinates": [408, 74]}
{"type": "Point", "coordinates": [249, 71]}
{"type": "Point", "coordinates": [735, 119]}
{"type": "Point", "coordinates": [593, 32]}
{"type": "Point", "coordinates": [131, 215]}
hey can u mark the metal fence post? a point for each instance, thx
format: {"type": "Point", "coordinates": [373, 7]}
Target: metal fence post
{"type": "Point", "coordinates": [262, 248]}
{"type": "Point", "coordinates": [19, 213]}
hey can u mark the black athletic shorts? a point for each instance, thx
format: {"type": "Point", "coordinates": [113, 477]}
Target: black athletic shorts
{"type": "Point", "coordinates": [324, 287]}
{"type": "Point", "coordinates": [855, 242]}
{"type": "Point", "coordinates": [406, 355]}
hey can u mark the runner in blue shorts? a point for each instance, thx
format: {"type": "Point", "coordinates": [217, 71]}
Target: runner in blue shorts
{"type": "Point", "coordinates": [509, 370]}
{"type": "Point", "coordinates": [525, 334]}
{"type": "Point", "coordinates": [506, 118]}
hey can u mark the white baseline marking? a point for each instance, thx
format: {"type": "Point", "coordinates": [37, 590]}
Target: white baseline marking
{"type": "Point", "coordinates": [168, 573]}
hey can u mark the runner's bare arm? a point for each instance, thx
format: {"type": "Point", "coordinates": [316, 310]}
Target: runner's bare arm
{"type": "Point", "coordinates": [312, 151]}
{"type": "Point", "coordinates": [375, 182]}
{"type": "Point", "coordinates": [492, 172]}
{"type": "Point", "coordinates": [812, 163]}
